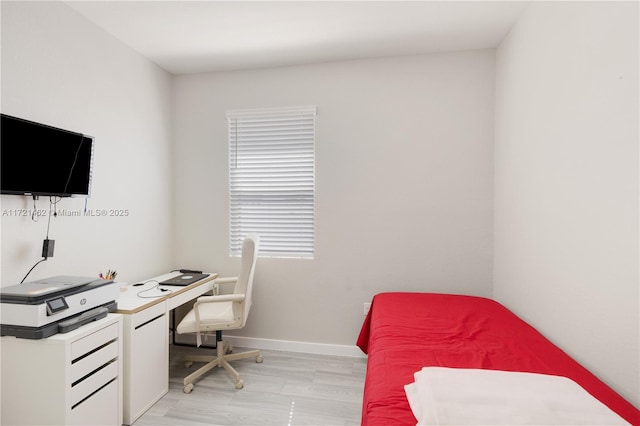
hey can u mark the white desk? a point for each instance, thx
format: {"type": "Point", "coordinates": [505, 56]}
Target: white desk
{"type": "Point", "coordinates": [146, 338]}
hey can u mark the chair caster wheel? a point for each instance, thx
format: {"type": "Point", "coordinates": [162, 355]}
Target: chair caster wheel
{"type": "Point", "coordinates": [239, 384]}
{"type": "Point", "coordinates": [259, 359]}
{"type": "Point", "coordinates": [188, 388]}
{"type": "Point", "coordinates": [188, 364]}
{"type": "Point", "coordinates": [229, 349]}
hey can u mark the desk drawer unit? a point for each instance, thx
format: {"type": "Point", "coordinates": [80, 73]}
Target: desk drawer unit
{"type": "Point", "coordinates": [146, 368]}
{"type": "Point", "coordinates": [67, 379]}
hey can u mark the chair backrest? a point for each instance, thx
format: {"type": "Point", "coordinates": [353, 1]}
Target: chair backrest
{"type": "Point", "coordinates": [244, 285]}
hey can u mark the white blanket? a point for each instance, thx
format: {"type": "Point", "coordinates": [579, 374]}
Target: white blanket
{"type": "Point", "coordinates": [457, 396]}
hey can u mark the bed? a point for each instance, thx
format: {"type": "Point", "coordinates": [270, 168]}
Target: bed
{"type": "Point", "coordinates": [404, 332]}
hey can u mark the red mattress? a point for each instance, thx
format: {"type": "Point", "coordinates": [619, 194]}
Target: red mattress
{"type": "Point", "coordinates": [404, 332]}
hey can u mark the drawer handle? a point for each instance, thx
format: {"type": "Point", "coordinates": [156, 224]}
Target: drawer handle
{"type": "Point", "coordinates": [150, 321]}
{"type": "Point", "coordinates": [93, 351]}
{"type": "Point", "coordinates": [93, 393]}
{"type": "Point", "coordinates": [93, 372]}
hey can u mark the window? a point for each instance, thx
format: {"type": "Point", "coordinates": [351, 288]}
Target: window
{"type": "Point", "coordinates": [272, 180]}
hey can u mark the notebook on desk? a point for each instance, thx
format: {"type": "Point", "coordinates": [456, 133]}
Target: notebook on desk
{"type": "Point", "coordinates": [184, 279]}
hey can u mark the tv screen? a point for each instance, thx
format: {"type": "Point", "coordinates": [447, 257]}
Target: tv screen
{"type": "Point", "coordinates": [36, 159]}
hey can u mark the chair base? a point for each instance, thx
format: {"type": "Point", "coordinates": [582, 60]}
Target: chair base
{"type": "Point", "coordinates": [220, 360]}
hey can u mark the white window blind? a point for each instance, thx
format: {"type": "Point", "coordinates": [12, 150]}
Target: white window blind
{"type": "Point", "coordinates": [272, 180]}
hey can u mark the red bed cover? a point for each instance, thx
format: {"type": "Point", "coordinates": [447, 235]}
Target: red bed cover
{"type": "Point", "coordinates": [404, 332]}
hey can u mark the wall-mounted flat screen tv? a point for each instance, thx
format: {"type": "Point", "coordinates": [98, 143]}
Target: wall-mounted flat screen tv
{"type": "Point", "coordinates": [36, 159]}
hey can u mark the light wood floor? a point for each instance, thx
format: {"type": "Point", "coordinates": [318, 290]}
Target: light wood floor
{"type": "Point", "coordinates": [286, 389]}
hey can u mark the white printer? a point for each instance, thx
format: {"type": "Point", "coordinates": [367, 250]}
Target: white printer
{"type": "Point", "coordinates": [42, 308]}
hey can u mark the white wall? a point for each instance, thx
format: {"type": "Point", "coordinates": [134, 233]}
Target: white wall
{"type": "Point", "coordinates": [60, 69]}
{"type": "Point", "coordinates": [566, 182]}
{"type": "Point", "coordinates": [403, 177]}
{"type": "Point", "coordinates": [404, 174]}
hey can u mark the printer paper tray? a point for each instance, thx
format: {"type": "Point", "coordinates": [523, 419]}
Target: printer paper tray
{"type": "Point", "coordinates": [63, 326]}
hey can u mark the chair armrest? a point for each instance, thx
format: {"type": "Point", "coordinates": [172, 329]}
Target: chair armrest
{"type": "Point", "coordinates": [225, 280]}
{"type": "Point", "coordinates": [218, 281]}
{"type": "Point", "coordinates": [233, 297]}
{"type": "Point", "coordinates": [221, 298]}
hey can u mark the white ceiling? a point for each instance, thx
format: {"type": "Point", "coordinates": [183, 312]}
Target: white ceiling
{"type": "Point", "coordinates": [201, 36]}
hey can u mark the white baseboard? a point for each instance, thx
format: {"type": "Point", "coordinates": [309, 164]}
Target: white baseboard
{"type": "Point", "coordinates": [292, 346]}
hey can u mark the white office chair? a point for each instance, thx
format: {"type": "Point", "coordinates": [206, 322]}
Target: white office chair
{"type": "Point", "coordinates": [223, 312]}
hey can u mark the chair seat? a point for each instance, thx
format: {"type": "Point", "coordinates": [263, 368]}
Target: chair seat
{"type": "Point", "coordinates": [214, 316]}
